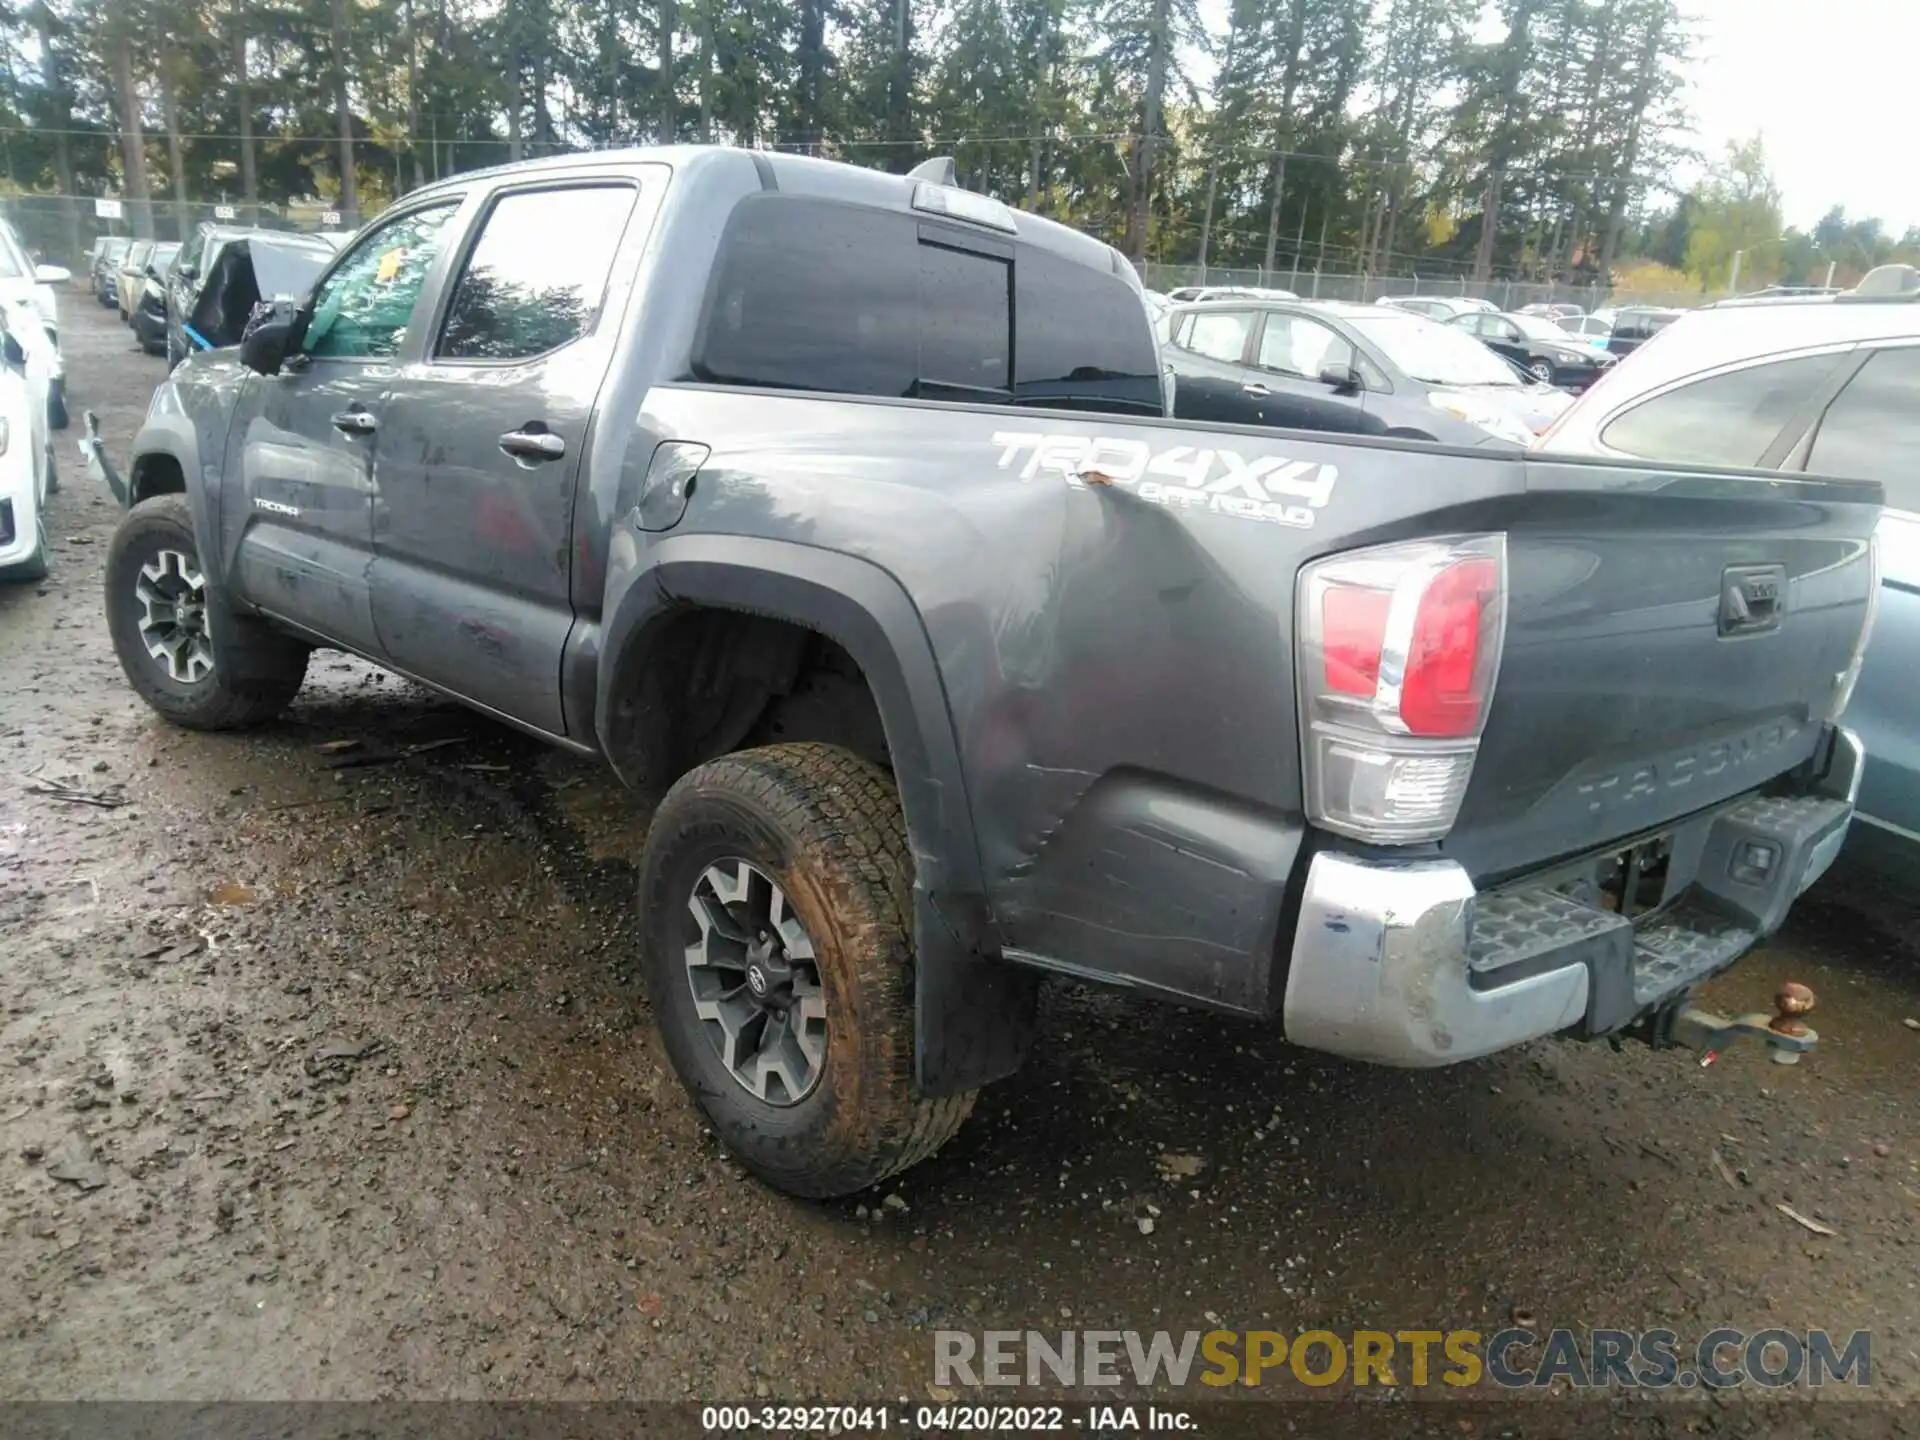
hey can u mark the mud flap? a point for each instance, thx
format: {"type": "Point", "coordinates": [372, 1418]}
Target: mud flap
{"type": "Point", "coordinates": [93, 453]}
{"type": "Point", "coordinates": [974, 1016]}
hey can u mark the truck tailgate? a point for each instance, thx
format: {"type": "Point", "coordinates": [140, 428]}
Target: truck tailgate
{"type": "Point", "coordinates": [1671, 642]}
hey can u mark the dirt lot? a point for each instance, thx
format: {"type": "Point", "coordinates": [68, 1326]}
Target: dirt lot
{"type": "Point", "coordinates": [334, 1083]}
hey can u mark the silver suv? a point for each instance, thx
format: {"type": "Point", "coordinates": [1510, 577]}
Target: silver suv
{"type": "Point", "coordinates": [1826, 384]}
{"type": "Point", "coordinates": [1829, 384]}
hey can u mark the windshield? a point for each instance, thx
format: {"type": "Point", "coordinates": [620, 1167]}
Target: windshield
{"type": "Point", "coordinates": [1435, 354]}
{"type": "Point", "coordinates": [13, 262]}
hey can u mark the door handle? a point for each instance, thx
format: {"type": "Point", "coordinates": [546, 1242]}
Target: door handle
{"type": "Point", "coordinates": [533, 445]}
{"type": "Point", "coordinates": [355, 422]}
{"type": "Point", "coordinates": [1256, 389]}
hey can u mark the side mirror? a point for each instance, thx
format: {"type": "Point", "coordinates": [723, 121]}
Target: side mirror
{"type": "Point", "coordinates": [271, 333]}
{"type": "Point", "coordinates": [52, 274]}
{"type": "Point", "coordinates": [1341, 376]}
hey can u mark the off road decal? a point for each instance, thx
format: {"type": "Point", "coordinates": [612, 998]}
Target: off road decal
{"type": "Point", "coordinates": [1269, 488]}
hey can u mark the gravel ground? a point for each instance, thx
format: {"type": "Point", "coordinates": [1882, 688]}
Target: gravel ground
{"type": "Point", "coordinates": [332, 1082]}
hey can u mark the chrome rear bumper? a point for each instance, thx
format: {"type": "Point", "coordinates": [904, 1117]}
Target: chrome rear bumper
{"type": "Point", "coordinates": [1405, 963]}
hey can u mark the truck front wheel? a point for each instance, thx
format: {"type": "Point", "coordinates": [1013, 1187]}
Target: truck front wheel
{"type": "Point", "coordinates": [182, 651]}
{"type": "Point", "coordinates": [776, 892]}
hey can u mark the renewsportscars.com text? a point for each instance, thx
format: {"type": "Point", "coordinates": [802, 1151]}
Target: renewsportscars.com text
{"type": "Point", "coordinates": [1510, 1359]}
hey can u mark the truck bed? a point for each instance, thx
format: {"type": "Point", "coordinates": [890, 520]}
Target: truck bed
{"type": "Point", "coordinates": [1110, 603]}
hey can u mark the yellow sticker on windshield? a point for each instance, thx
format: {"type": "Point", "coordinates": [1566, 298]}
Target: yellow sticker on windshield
{"type": "Point", "coordinates": [390, 265]}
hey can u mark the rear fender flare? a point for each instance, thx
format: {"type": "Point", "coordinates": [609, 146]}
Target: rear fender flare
{"type": "Point", "coordinates": [973, 1013]}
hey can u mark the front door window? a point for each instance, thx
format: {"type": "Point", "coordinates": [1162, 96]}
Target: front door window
{"type": "Point", "coordinates": [362, 310]}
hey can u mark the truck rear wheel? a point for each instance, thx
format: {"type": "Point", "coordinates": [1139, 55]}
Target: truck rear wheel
{"type": "Point", "coordinates": [775, 895]}
{"type": "Point", "coordinates": [182, 652]}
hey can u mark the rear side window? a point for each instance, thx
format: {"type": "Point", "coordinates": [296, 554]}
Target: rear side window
{"type": "Point", "coordinates": [535, 277]}
{"type": "Point", "coordinates": [1220, 335]}
{"type": "Point", "coordinates": [816, 295]}
{"type": "Point", "coordinates": [1872, 429]}
{"type": "Point", "coordinates": [1729, 419]}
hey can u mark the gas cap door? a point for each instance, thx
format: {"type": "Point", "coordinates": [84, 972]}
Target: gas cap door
{"type": "Point", "coordinates": [669, 483]}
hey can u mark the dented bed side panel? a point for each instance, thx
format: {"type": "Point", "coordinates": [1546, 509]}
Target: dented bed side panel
{"type": "Point", "coordinates": [1109, 603]}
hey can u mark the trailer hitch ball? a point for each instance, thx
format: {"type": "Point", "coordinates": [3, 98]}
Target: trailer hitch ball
{"type": "Point", "coordinates": [1786, 1035]}
{"type": "Point", "coordinates": [1792, 1001]}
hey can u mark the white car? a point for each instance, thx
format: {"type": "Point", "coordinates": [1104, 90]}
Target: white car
{"type": "Point", "coordinates": [27, 473]}
{"type": "Point", "coordinates": [26, 285]}
{"type": "Point", "coordinates": [1199, 294]}
{"type": "Point", "coordinates": [1438, 307]}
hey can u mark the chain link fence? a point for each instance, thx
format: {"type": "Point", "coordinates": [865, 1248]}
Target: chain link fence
{"type": "Point", "coordinates": [60, 230]}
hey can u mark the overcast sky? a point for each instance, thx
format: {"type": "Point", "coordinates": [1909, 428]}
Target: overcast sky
{"type": "Point", "coordinates": [1831, 85]}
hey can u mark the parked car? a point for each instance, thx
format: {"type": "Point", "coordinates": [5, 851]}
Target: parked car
{"type": "Point", "coordinates": [27, 290]}
{"type": "Point", "coordinates": [1353, 369]}
{"type": "Point", "coordinates": [1553, 312]}
{"type": "Point", "coordinates": [106, 269]}
{"type": "Point", "coordinates": [1437, 307]}
{"type": "Point", "coordinates": [1540, 347]}
{"type": "Point", "coordinates": [1595, 332]}
{"type": "Point", "coordinates": [1781, 292]}
{"type": "Point", "coordinates": [149, 319]}
{"type": "Point", "coordinates": [1191, 294]}
{"type": "Point", "coordinates": [224, 271]}
{"type": "Point", "coordinates": [27, 470]}
{"type": "Point", "coordinates": [1829, 386]}
{"type": "Point", "coordinates": [132, 277]}
{"type": "Point", "coordinates": [1634, 325]}
{"type": "Point", "coordinates": [840, 507]}
{"type": "Point", "coordinates": [1159, 310]}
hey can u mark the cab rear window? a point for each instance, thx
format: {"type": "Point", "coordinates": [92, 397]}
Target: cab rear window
{"type": "Point", "coordinates": [821, 296]}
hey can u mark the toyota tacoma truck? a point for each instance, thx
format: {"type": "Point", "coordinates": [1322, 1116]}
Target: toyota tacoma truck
{"type": "Point", "coordinates": [838, 512]}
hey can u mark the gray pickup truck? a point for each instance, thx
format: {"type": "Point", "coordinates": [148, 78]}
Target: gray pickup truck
{"type": "Point", "coordinates": [837, 511]}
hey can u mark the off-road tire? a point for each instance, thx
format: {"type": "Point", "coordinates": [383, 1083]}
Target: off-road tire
{"type": "Point", "coordinates": [57, 416]}
{"type": "Point", "coordinates": [256, 670]}
{"type": "Point", "coordinates": [826, 826]}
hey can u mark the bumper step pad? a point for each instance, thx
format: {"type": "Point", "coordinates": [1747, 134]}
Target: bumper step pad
{"type": "Point", "coordinates": [1757, 857]}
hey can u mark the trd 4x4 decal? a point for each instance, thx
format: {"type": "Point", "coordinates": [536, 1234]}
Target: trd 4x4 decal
{"type": "Point", "coordinates": [1269, 488]}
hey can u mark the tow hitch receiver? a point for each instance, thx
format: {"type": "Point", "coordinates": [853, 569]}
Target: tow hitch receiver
{"type": "Point", "coordinates": [1783, 1032]}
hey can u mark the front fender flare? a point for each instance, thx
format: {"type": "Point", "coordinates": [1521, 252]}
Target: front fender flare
{"type": "Point", "coordinates": [172, 434]}
{"type": "Point", "coordinates": [974, 1014]}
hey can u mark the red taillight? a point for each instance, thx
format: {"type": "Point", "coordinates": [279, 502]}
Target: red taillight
{"type": "Point", "coordinates": [1399, 652]}
{"type": "Point", "coordinates": [1444, 686]}
{"type": "Point", "coordinates": [1354, 629]}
